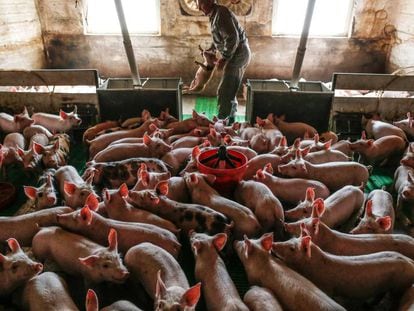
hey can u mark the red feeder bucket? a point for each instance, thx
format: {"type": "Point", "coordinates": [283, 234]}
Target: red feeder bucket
{"type": "Point", "coordinates": [228, 166]}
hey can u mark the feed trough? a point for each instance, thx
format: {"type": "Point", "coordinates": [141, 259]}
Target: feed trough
{"type": "Point", "coordinates": [228, 166]}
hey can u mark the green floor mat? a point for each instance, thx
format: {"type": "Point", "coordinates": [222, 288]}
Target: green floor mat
{"type": "Point", "coordinates": [208, 105]}
{"type": "Point", "coordinates": [380, 177]}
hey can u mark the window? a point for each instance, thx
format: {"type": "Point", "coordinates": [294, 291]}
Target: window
{"type": "Point", "coordinates": [330, 17]}
{"type": "Point", "coordinates": [142, 17]}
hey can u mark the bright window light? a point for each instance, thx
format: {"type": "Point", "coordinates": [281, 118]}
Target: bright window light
{"type": "Point", "coordinates": [142, 17]}
{"type": "Point", "coordinates": [330, 17]}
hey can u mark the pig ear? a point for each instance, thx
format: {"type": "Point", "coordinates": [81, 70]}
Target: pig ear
{"type": "Point", "coordinates": [144, 177]}
{"type": "Point", "coordinates": [318, 208]}
{"type": "Point", "coordinates": [248, 246]}
{"type": "Point", "coordinates": [368, 208]}
{"type": "Point", "coordinates": [270, 117]}
{"type": "Point", "coordinates": [304, 152]}
{"type": "Point", "coordinates": [259, 175]}
{"type": "Point", "coordinates": [268, 168]}
{"type": "Point", "coordinates": [106, 195]}
{"type": "Point", "coordinates": [30, 192]}
{"type": "Point", "coordinates": [315, 225]}
{"type": "Point", "coordinates": [20, 152]}
{"type": "Point", "coordinates": [86, 215]}
{"type": "Point", "coordinates": [37, 148]}
{"type": "Point", "coordinates": [92, 202]}
{"type": "Point", "coordinates": [63, 114]}
{"type": "Point", "coordinates": [303, 231]}
{"type": "Point", "coordinates": [219, 241]}
{"type": "Point", "coordinates": [194, 114]}
{"type": "Point", "coordinates": [89, 261]}
{"type": "Point", "coordinates": [410, 177]}
{"type": "Point", "coordinates": [191, 296]}
{"type": "Point", "coordinates": [316, 138]}
{"type": "Point", "coordinates": [260, 121]}
{"type": "Point", "coordinates": [91, 303]}
{"type": "Point", "coordinates": [363, 135]}
{"type": "Point", "coordinates": [196, 152]}
{"type": "Point", "coordinates": [384, 222]}
{"type": "Point", "coordinates": [266, 241]}
{"type": "Point", "coordinates": [56, 145]}
{"type": "Point", "coordinates": [123, 190]}
{"type": "Point", "coordinates": [305, 245]}
{"type": "Point", "coordinates": [113, 240]}
{"type": "Point", "coordinates": [49, 180]}
{"type": "Point", "coordinates": [14, 245]}
{"type": "Point", "coordinates": [283, 142]}
{"type": "Point", "coordinates": [194, 179]}
{"type": "Point", "coordinates": [370, 142]}
{"type": "Point", "coordinates": [310, 194]}
{"type": "Point", "coordinates": [328, 144]}
{"type": "Point", "coordinates": [90, 178]}
{"type": "Point", "coordinates": [147, 139]}
{"type": "Point", "coordinates": [160, 288]}
{"type": "Point", "coordinates": [196, 245]}
{"type": "Point", "coordinates": [153, 127]}
{"type": "Point", "coordinates": [145, 114]}
{"type": "Point", "coordinates": [69, 188]}
{"type": "Point", "coordinates": [162, 187]}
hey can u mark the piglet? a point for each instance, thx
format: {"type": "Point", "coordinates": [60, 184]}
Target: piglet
{"type": "Point", "coordinates": [16, 268]}
{"type": "Point", "coordinates": [408, 158]}
{"type": "Point", "coordinates": [56, 153]}
{"type": "Point", "coordinates": [92, 304]}
{"type": "Point", "coordinates": [346, 276]}
{"type": "Point", "coordinates": [292, 290]}
{"type": "Point", "coordinates": [77, 255]}
{"type": "Point", "coordinates": [73, 188]}
{"type": "Point", "coordinates": [61, 123]}
{"type": "Point", "coordinates": [185, 126]}
{"type": "Point", "coordinates": [31, 130]}
{"type": "Point", "coordinates": [11, 143]}
{"type": "Point", "coordinates": [293, 130]}
{"type": "Point", "coordinates": [377, 129]}
{"type": "Point", "coordinates": [43, 196]}
{"type": "Point", "coordinates": [259, 161]}
{"type": "Point", "coordinates": [204, 71]}
{"type": "Point", "coordinates": [404, 187]}
{"type": "Point", "coordinates": [91, 132]}
{"type": "Point", "coordinates": [261, 299]}
{"type": "Point", "coordinates": [16, 123]}
{"type": "Point", "coordinates": [219, 291]}
{"type": "Point", "coordinates": [46, 292]}
{"type": "Point", "coordinates": [162, 277]}
{"type": "Point", "coordinates": [148, 180]}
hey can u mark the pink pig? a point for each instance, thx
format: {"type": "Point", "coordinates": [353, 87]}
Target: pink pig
{"type": "Point", "coordinates": [16, 123]}
{"type": "Point", "coordinates": [61, 123]}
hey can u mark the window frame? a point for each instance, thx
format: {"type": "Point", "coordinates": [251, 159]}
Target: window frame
{"type": "Point", "coordinates": [346, 32]}
{"type": "Point", "coordinates": [118, 31]}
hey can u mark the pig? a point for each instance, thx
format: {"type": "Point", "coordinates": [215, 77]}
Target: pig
{"type": "Point", "coordinates": [185, 216]}
{"type": "Point", "coordinates": [101, 142]}
{"type": "Point", "coordinates": [197, 132]}
{"type": "Point", "coordinates": [406, 125]}
{"type": "Point", "coordinates": [32, 130]}
{"type": "Point", "coordinates": [261, 299]}
{"type": "Point", "coordinates": [290, 190]}
{"type": "Point", "coordinates": [346, 276]}
{"type": "Point", "coordinates": [377, 129]}
{"type": "Point", "coordinates": [11, 143]}
{"type": "Point", "coordinates": [379, 214]}
{"type": "Point", "coordinates": [130, 122]}
{"type": "Point", "coordinates": [334, 175]}
{"type": "Point", "coordinates": [96, 227]}
{"type": "Point", "coordinates": [333, 211]}
{"type": "Point", "coordinates": [293, 130]}
{"type": "Point", "coordinates": [46, 292]}
{"type": "Point", "coordinates": [114, 174]}
{"type": "Point", "coordinates": [43, 196]}
{"type": "Point", "coordinates": [118, 208]}
{"type": "Point", "coordinates": [326, 136]}
{"type": "Point", "coordinates": [260, 143]}
{"type": "Point", "coordinates": [384, 150]}
{"type": "Point", "coordinates": [261, 200]}
{"type": "Point", "coordinates": [31, 158]}
{"type": "Point", "coordinates": [16, 268]}
{"type": "Point", "coordinates": [176, 159]}
{"type": "Point", "coordinates": [16, 123]}
{"type": "Point", "coordinates": [281, 148]}
{"type": "Point", "coordinates": [162, 278]}
{"type": "Point", "coordinates": [24, 227]}
{"type": "Point", "coordinates": [219, 291]}
{"type": "Point", "coordinates": [72, 187]}
{"type": "Point", "coordinates": [344, 146]}
{"type": "Point", "coordinates": [404, 187]}
{"type": "Point", "coordinates": [293, 291]}
{"type": "Point", "coordinates": [91, 132]}
{"type": "Point", "coordinates": [314, 144]}
{"type": "Point", "coordinates": [259, 161]}
{"type": "Point", "coordinates": [57, 153]}
{"type": "Point", "coordinates": [148, 180]}
{"type": "Point", "coordinates": [150, 148]}
{"type": "Point", "coordinates": [235, 141]}
{"type": "Point", "coordinates": [202, 193]}
{"type": "Point", "coordinates": [185, 126]}
{"type": "Point", "coordinates": [204, 71]}
{"type": "Point", "coordinates": [61, 123]}
{"type": "Point", "coordinates": [408, 158]}
{"type": "Point", "coordinates": [326, 155]}
{"type": "Point", "coordinates": [77, 255]}
{"type": "Point", "coordinates": [345, 244]}
{"type": "Point", "coordinates": [92, 304]}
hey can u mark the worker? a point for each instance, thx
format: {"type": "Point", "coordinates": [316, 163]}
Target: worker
{"type": "Point", "coordinates": [230, 40]}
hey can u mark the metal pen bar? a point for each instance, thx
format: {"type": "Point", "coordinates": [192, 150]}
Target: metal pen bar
{"type": "Point", "coordinates": [136, 80]}
{"type": "Point", "coordinates": [302, 45]}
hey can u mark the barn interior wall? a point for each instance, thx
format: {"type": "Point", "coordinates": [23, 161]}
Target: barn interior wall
{"type": "Point", "coordinates": [58, 29]}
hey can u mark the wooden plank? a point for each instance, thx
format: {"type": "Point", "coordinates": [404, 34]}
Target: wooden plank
{"type": "Point", "coordinates": [362, 81]}
{"type": "Point", "coordinates": [49, 77]}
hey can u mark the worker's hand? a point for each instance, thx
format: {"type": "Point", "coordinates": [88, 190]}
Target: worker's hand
{"type": "Point", "coordinates": [220, 64]}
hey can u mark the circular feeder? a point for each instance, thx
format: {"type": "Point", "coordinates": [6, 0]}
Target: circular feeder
{"type": "Point", "coordinates": [228, 166]}
{"type": "Point", "coordinates": [7, 194]}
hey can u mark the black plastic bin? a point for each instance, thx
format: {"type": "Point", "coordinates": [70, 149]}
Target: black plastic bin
{"type": "Point", "coordinates": [311, 103]}
{"type": "Point", "coordinates": [118, 99]}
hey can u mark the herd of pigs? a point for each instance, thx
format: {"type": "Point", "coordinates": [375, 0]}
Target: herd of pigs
{"type": "Point", "coordinates": [298, 222]}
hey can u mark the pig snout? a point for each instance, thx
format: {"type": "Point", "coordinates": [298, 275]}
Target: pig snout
{"type": "Point", "coordinates": [120, 276]}
{"type": "Point", "coordinates": [37, 267]}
